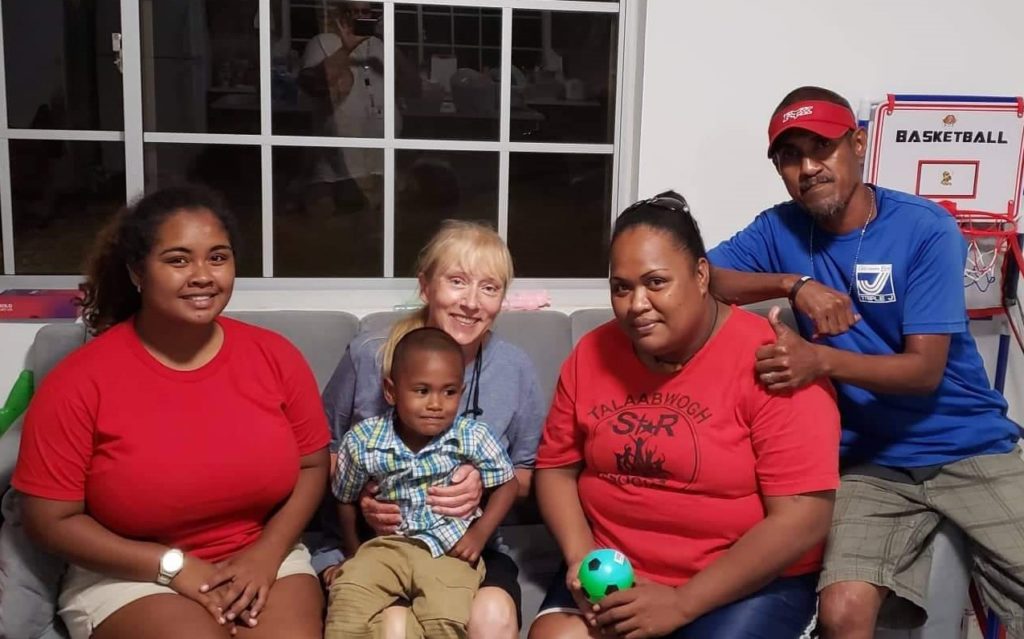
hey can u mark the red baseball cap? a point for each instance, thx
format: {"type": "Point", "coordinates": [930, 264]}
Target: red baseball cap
{"type": "Point", "coordinates": [827, 119]}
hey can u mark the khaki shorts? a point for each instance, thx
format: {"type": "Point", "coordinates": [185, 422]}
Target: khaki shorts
{"type": "Point", "coordinates": [882, 531]}
{"type": "Point", "coordinates": [87, 598]}
{"type": "Point", "coordinates": [440, 591]}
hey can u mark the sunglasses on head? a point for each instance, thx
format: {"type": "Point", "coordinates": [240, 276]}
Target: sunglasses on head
{"type": "Point", "coordinates": [664, 201]}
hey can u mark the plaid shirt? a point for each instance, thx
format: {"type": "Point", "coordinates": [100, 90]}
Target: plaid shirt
{"type": "Point", "coordinates": [372, 450]}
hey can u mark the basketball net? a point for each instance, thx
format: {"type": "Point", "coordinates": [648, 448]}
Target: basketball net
{"type": "Point", "coordinates": [994, 262]}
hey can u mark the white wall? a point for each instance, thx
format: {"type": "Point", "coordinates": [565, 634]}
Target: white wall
{"type": "Point", "coordinates": [714, 71]}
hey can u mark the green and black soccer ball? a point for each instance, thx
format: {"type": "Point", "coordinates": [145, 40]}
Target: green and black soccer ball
{"type": "Point", "coordinates": [603, 572]}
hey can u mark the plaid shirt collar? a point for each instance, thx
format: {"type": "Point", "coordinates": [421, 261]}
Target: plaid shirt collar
{"type": "Point", "coordinates": [385, 437]}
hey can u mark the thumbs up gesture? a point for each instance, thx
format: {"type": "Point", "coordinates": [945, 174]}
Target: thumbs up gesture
{"type": "Point", "coordinates": [788, 364]}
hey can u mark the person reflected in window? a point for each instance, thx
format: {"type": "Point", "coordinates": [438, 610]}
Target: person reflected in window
{"type": "Point", "coordinates": [343, 71]}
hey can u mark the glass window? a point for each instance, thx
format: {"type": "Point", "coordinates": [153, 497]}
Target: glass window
{"type": "Point", "coordinates": [558, 214]}
{"type": "Point", "coordinates": [327, 73]}
{"type": "Point", "coordinates": [432, 186]}
{"type": "Point", "coordinates": [447, 68]}
{"type": "Point", "coordinates": [200, 66]}
{"type": "Point", "coordinates": [200, 108]}
{"type": "Point", "coordinates": [233, 171]}
{"type": "Point", "coordinates": [563, 76]}
{"type": "Point", "coordinates": [62, 193]}
{"type": "Point", "coordinates": [326, 223]}
{"type": "Point", "coordinates": [60, 65]}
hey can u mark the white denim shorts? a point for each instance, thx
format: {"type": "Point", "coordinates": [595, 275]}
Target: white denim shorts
{"type": "Point", "coordinates": [87, 598]}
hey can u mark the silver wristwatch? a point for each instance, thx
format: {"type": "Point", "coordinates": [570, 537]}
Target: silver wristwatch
{"type": "Point", "coordinates": [171, 564]}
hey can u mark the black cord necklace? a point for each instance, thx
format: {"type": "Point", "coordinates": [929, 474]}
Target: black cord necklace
{"type": "Point", "coordinates": [473, 396]}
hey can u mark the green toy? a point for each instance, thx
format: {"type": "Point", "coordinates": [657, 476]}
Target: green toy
{"type": "Point", "coordinates": [17, 400]}
{"type": "Point", "coordinates": [603, 572]}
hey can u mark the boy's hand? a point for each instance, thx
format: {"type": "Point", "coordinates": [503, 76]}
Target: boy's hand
{"type": "Point", "coordinates": [469, 547]}
{"type": "Point", "coordinates": [330, 573]}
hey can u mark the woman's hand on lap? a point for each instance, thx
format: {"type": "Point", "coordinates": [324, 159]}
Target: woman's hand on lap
{"type": "Point", "coordinates": [645, 610]}
{"type": "Point", "coordinates": [383, 516]}
{"type": "Point", "coordinates": [572, 582]}
{"type": "Point", "coordinates": [189, 581]}
{"type": "Point", "coordinates": [461, 498]}
{"type": "Point", "coordinates": [247, 578]}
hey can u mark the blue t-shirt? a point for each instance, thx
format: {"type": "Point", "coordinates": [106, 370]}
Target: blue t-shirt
{"type": "Point", "coordinates": [905, 278]}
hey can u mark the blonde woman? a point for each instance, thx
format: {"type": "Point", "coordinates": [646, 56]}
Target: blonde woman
{"type": "Point", "coordinates": [464, 273]}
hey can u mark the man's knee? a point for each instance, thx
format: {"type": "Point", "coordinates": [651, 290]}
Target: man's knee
{"type": "Point", "coordinates": [850, 608]}
{"type": "Point", "coordinates": [493, 614]}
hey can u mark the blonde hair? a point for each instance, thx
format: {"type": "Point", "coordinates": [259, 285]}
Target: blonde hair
{"type": "Point", "coordinates": [472, 246]}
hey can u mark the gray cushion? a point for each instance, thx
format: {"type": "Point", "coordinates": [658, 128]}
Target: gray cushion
{"type": "Point", "coordinates": [30, 577]}
{"type": "Point", "coordinates": [321, 336]}
{"type": "Point", "coordinates": [29, 581]}
{"type": "Point", "coordinates": [587, 319]}
{"type": "Point", "coordinates": [52, 343]}
{"type": "Point", "coordinates": [545, 336]}
{"type": "Point", "coordinates": [9, 444]}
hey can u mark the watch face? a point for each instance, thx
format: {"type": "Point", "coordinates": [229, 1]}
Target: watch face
{"type": "Point", "coordinates": [172, 562]}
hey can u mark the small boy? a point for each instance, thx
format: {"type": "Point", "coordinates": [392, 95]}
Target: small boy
{"type": "Point", "coordinates": [433, 562]}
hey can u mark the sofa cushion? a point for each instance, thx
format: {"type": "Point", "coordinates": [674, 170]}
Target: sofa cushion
{"type": "Point", "coordinates": [587, 319]}
{"type": "Point", "coordinates": [321, 336]}
{"type": "Point", "coordinates": [29, 580]}
{"type": "Point", "coordinates": [51, 344]}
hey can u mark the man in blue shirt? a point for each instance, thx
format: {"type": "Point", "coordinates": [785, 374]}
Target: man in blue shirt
{"type": "Point", "coordinates": [876, 279]}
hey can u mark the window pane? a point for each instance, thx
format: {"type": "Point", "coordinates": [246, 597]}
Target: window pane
{"type": "Point", "coordinates": [63, 193]}
{"type": "Point", "coordinates": [326, 224]}
{"type": "Point", "coordinates": [200, 66]}
{"type": "Point", "coordinates": [232, 171]}
{"type": "Point", "coordinates": [559, 214]}
{"type": "Point", "coordinates": [327, 73]}
{"type": "Point", "coordinates": [563, 76]}
{"type": "Point", "coordinates": [433, 186]}
{"type": "Point", "coordinates": [59, 62]}
{"type": "Point", "coordinates": [447, 66]}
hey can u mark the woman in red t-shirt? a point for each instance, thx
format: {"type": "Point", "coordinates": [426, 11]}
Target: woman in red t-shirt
{"type": "Point", "coordinates": [174, 460]}
{"type": "Point", "coordinates": [661, 443]}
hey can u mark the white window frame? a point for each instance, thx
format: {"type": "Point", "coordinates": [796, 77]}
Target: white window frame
{"type": "Point", "coordinates": [624, 148]}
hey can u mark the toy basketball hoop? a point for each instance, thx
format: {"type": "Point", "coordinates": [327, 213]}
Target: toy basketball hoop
{"type": "Point", "coordinates": [994, 259]}
{"type": "Point", "coordinates": [967, 154]}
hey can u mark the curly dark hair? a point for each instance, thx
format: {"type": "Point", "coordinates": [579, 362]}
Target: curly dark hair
{"type": "Point", "coordinates": [110, 297]}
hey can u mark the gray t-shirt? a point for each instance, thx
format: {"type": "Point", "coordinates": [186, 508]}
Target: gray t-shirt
{"type": "Point", "coordinates": [510, 400]}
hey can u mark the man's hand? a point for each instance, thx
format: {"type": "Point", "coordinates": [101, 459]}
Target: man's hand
{"type": "Point", "coordinates": [646, 610]}
{"type": "Point", "coordinates": [461, 498]}
{"type": "Point", "coordinates": [469, 547]}
{"type": "Point", "coordinates": [383, 516]}
{"type": "Point", "coordinates": [790, 363]}
{"type": "Point", "coordinates": [830, 310]}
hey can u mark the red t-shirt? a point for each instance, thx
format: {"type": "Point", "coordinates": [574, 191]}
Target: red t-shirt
{"type": "Point", "coordinates": [674, 465]}
{"type": "Point", "coordinates": [196, 460]}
